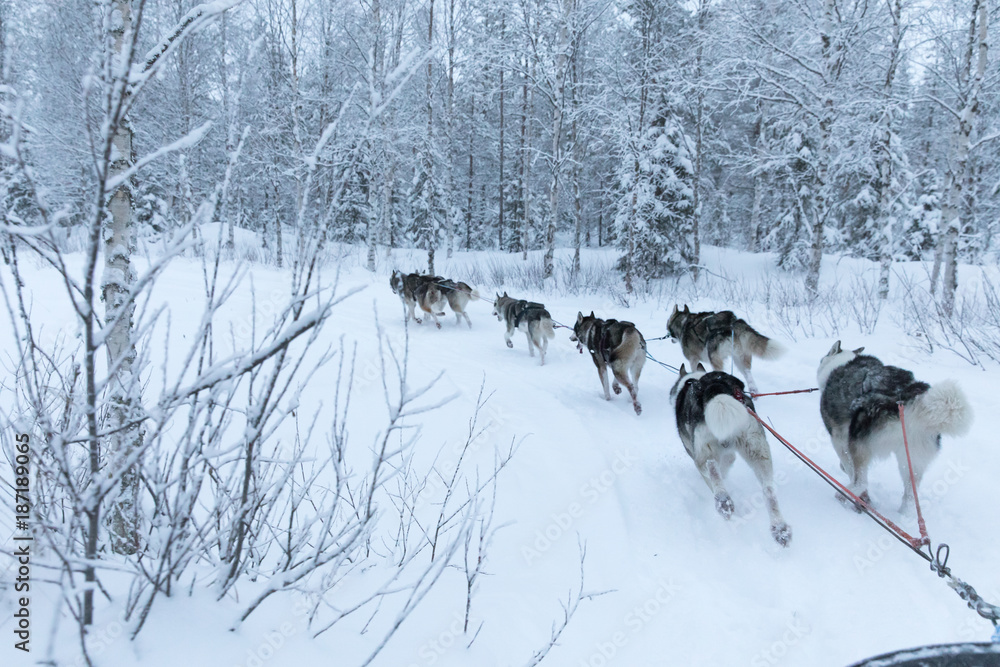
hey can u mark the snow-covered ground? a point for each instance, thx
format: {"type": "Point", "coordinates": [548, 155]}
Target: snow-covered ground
{"type": "Point", "coordinates": [677, 584]}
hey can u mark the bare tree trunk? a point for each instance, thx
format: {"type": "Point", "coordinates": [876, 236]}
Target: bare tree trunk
{"type": "Point", "coordinates": [821, 197]}
{"type": "Point", "coordinates": [698, 142]}
{"type": "Point", "coordinates": [119, 276]}
{"type": "Point", "coordinates": [430, 130]}
{"type": "Point", "coordinates": [885, 219]}
{"type": "Point", "coordinates": [577, 152]}
{"type": "Point", "coordinates": [500, 198]}
{"type": "Point", "coordinates": [450, 206]}
{"type": "Point", "coordinates": [472, 146]}
{"type": "Point", "coordinates": [376, 58]}
{"type": "Point", "coordinates": [758, 181]}
{"type": "Point", "coordinates": [959, 164]}
{"type": "Point", "coordinates": [527, 108]}
{"type": "Point", "coordinates": [558, 101]}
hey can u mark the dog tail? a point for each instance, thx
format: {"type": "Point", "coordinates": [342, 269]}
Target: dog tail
{"type": "Point", "coordinates": [726, 417]}
{"type": "Point", "coordinates": [547, 330]}
{"type": "Point", "coordinates": [763, 347]}
{"type": "Point", "coordinates": [945, 409]}
{"type": "Point", "coordinates": [474, 294]}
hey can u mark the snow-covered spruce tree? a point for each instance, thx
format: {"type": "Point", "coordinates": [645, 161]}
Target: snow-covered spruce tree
{"type": "Point", "coordinates": [657, 194]}
{"type": "Point", "coordinates": [426, 206]}
{"type": "Point", "coordinates": [353, 217]}
{"type": "Point", "coordinates": [920, 227]}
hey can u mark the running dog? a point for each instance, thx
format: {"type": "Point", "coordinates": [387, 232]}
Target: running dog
{"type": "Point", "coordinates": [860, 409]}
{"type": "Point", "coordinates": [713, 337]}
{"type": "Point", "coordinates": [458, 294]}
{"type": "Point", "coordinates": [714, 424]}
{"type": "Point", "coordinates": [417, 290]}
{"type": "Point", "coordinates": [526, 316]}
{"type": "Point", "coordinates": [615, 344]}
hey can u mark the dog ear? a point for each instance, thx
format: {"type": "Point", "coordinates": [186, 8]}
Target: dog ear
{"type": "Point", "coordinates": [687, 310]}
{"type": "Point", "coordinates": [683, 371]}
{"type": "Point", "coordinates": [675, 311]}
{"type": "Point", "coordinates": [835, 349]}
{"type": "Point", "coordinates": [701, 367]}
{"type": "Point", "coordinates": [579, 317]}
{"type": "Point", "coordinates": [859, 350]}
{"type": "Point", "coordinates": [592, 314]}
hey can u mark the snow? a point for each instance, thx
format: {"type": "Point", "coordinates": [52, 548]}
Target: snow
{"type": "Point", "coordinates": [679, 584]}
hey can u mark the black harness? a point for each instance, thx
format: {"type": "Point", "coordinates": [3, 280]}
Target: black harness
{"type": "Point", "coordinates": [522, 307]}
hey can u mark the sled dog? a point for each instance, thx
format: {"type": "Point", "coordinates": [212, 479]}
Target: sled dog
{"type": "Point", "coordinates": [526, 316]}
{"type": "Point", "coordinates": [859, 406]}
{"type": "Point", "coordinates": [712, 337]}
{"type": "Point", "coordinates": [458, 294]}
{"type": "Point", "coordinates": [417, 290]}
{"type": "Point", "coordinates": [714, 425]}
{"type": "Point", "coordinates": [615, 344]}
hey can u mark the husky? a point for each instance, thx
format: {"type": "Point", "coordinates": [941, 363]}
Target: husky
{"type": "Point", "coordinates": [713, 337]}
{"type": "Point", "coordinates": [714, 424]}
{"type": "Point", "coordinates": [417, 290]}
{"type": "Point", "coordinates": [859, 404]}
{"type": "Point", "coordinates": [616, 344]}
{"type": "Point", "coordinates": [526, 316]}
{"type": "Point", "coordinates": [458, 294]}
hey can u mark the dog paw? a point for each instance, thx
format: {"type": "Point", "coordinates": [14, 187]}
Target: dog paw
{"type": "Point", "coordinates": [437, 324]}
{"type": "Point", "coordinates": [724, 505]}
{"type": "Point", "coordinates": [418, 320]}
{"type": "Point", "coordinates": [616, 388]}
{"type": "Point", "coordinates": [850, 504]}
{"type": "Point", "coordinates": [510, 344]}
{"type": "Point", "coordinates": [782, 533]}
{"type": "Point", "coordinates": [638, 408]}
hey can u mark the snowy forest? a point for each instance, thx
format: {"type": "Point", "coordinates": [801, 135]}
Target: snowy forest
{"type": "Point", "coordinates": [242, 454]}
{"type": "Point", "coordinates": [863, 128]}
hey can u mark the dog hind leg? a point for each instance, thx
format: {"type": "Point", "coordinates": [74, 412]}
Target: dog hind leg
{"type": "Point", "coordinates": [757, 454]}
{"type": "Point", "coordinates": [743, 361]}
{"type": "Point", "coordinates": [621, 376]}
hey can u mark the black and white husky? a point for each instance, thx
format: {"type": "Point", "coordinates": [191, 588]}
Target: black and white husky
{"type": "Point", "coordinates": [526, 316]}
{"type": "Point", "coordinates": [714, 425]}
{"type": "Point", "coordinates": [860, 410]}
{"type": "Point", "coordinates": [712, 337]}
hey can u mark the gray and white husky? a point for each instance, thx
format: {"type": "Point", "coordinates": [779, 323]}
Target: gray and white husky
{"type": "Point", "coordinates": [417, 290]}
{"type": "Point", "coordinates": [458, 294]}
{"type": "Point", "coordinates": [713, 337]}
{"type": "Point", "coordinates": [859, 406]}
{"type": "Point", "coordinates": [615, 344]}
{"type": "Point", "coordinates": [526, 316]}
{"type": "Point", "coordinates": [714, 425]}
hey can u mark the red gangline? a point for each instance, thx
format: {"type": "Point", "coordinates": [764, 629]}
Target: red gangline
{"type": "Point", "coordinates": [895, 530]}
{"type": "Point", "coordinates": [924, 539]}
{"type": "Point", "coordinates": [782, 393]}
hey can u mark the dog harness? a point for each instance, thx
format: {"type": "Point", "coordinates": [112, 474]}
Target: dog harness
{"type": "Point", "coordinates": [523, 307]}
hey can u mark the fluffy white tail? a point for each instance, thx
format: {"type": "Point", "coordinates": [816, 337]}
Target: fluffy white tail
{"type": "Point", "coordinates": [547, 329]}
{"type": "Point", "coordinates": [772, 349]}
{"type": "Point", "coordinates": [475, 294]}
{"type": "Point", "coordinates": [726, 417]}
{"type": "Point", "coordinates": [945, 409]}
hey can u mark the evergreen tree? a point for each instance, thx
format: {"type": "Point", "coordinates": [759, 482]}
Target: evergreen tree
{"type": "Point", "coordinates": [657, 192]}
